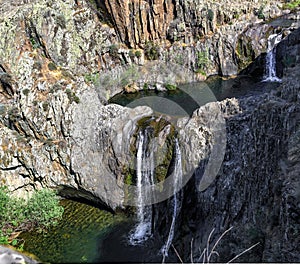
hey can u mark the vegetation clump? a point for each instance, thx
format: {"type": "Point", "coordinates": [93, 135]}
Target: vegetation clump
{"type": "Point", "coordinates": [72, 96]}
{"type": "Point", "coordinates": [292, 5]}
{"type": "Point", "coordinates": [151, 51]}
{"type": "Point", "coordinates": [41, 211]}
{"type": "Point", "coordinates": [170, 87]}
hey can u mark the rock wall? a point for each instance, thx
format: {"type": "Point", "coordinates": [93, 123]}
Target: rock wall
{"type": "Point", "coordinates": [207, 37]}
{"type": "Point", "coordinates": [55, 130]}
{"type": "Point", "coordinates": [256, 190]}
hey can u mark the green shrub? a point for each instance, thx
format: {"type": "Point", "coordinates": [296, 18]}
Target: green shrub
{"type": "Point", "coordinates": [138, 54]}
{"type": "Point", "coordinates": [145, 86]}
{"type": "Point", "coordinates": [72, 96]}
{"type": "Point", "coordinates": [151, 51]}
{"type": "Point", "coordinates": [34, 43]}
{"type": "Point", "coordinates": [260, 12]}
{"type": "Point", "coordinates": [170, 87]}
{"type": "Point", "coordinates": [292, 5]}
{"type": "Point", "coordinates": [131, 54]}
{"type": "Point", "coordinates": [202, 60]}
{"type": "Point", "coordinates": [114, 51]}
{"type": "Point", "coordinates": [43, 208]}
{"type": "Point", "coordinates": [52, 66]}
{"type": "Point", "coordinates": [210, 15]}
{"type": "Point", "coordinates": [92, 77]}
{"type": "Point", "coordinates": [25, 91]}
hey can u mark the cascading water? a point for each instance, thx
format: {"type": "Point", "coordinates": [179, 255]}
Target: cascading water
{"type": "Point", "coordinates": [270, 68]}
{"type": "Point", "coordinates": [145, 177]}
{"type": "Point", "coordinates": [176, 201]}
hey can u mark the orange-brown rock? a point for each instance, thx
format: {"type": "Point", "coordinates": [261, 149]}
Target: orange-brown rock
{"type": "Point", "coordinates": [139, 21]}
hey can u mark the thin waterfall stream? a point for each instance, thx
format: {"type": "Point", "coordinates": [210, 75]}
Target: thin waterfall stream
{"type": "Point", "coordinates": [176, 201]}
{"type": "Point", "coordinates": [145, 176]}
{"type": "Point", "coordinates": [270, 68]}
{"type": "Point", "coordinates": [144, 166]}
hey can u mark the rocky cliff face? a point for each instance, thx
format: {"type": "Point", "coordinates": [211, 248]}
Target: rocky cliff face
{"type": "Point", "coordinates": [207, 37]}
{"type": "Point", "coordinates": [257, 188]}
{"type": "Point", "coordinates": [55, 129]}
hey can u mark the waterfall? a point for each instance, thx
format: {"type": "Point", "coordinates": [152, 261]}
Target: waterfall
{"type": "Point", "coordinates": [176, 201]}
{"type": "Point", "coordinates": [270, 68]}
{"type": "Point", "coordinates": [145, 176]}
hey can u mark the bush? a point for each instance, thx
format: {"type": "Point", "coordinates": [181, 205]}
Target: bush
{"type": "Point", "coordinates": [114, 51]}
{"type": "Point", "coordinates": [292, 5]}
{"type": "Point", "coordinates": [202, 59]}
{"type": "Point", "coordinates": [260, 13]}
{"type": "Point", "coordinates": [151, 51]}
{"type": "Point", "coordinates": [11, 210]}
{"type": "Point", "coordinates": [43, 208]}
{"type": "Point", "coordinates": [138, 54]}
{"type": "Point", "coordinates": [170, 87]}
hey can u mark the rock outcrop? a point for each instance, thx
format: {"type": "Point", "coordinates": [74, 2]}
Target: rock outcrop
{"type": "Point", "coordinates": [256, 190]}
{"type": "Point", "coordinates": [55, 130]}
{"type": "Point", "coordinates": [207, 37]}
{"type": "Point", "coordinates": [10, 256]}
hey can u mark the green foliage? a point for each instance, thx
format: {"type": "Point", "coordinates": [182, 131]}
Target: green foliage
{"type": "Point", "coordinates": [236, 15]}
{"type": "Point", "coordinates": [45, 105]}
{"type": "Point", "coordinates": [170, 87]}
{"type": "Point", "coordinates": [25, 92]}
{"type": "Point", "coordinates": [151, 51]}
{"type": "Point", "coordinates": [210, 15]}
{"type": "Point", "coordinates": [145, 86]}
{"type": "Point", "coordinates": [34, 43]}
{"type": "Point", "coordinates": [41, 210]}
{"type": "Point", "coordinates": [200, 71]}
{"type": "Point", "coordinates": [260, 13]}
{"type": "Point", "coordinates": [72, 96]}
{"type": "Point", "coordinates": [131, 54]}
{"type": "Point", "coordinates": [52, 66]}
{"type": "Point", "coordinates": [3, 239]}
{"type": "Point", "coordinates": [138, 54]}
{"type": "Point", "coordinates": [4, 199]}
{"type": "Point", "coordinates": [202, 60]}
{"type": "Point", "coordinates": [292, 5]}
{"type": "Point", "coordinates": [129, 179]}
{"type": "Point", "coordinates": [92, 77]}
{"type": "Point", "coordinates": [114, 51]}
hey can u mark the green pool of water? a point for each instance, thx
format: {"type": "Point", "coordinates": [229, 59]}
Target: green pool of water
{"type": "Point", "coordinates": [76, 238]}
{"type": "Point", "coordinates": [189, 97]}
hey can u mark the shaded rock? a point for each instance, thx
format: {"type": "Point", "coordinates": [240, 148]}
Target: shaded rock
{"type": "Point", "coordinates": [256, 190]}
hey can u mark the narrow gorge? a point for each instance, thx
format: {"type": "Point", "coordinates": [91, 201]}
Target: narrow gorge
{"type": "Point", "coordinates": [164, 126]}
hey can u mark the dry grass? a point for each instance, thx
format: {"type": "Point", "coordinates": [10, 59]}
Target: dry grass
{"type": "Point", "coordinates": [209, 250]}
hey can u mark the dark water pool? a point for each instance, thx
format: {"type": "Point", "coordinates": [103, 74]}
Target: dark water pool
{"type": "Point", "coordinates": [189, 97]}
